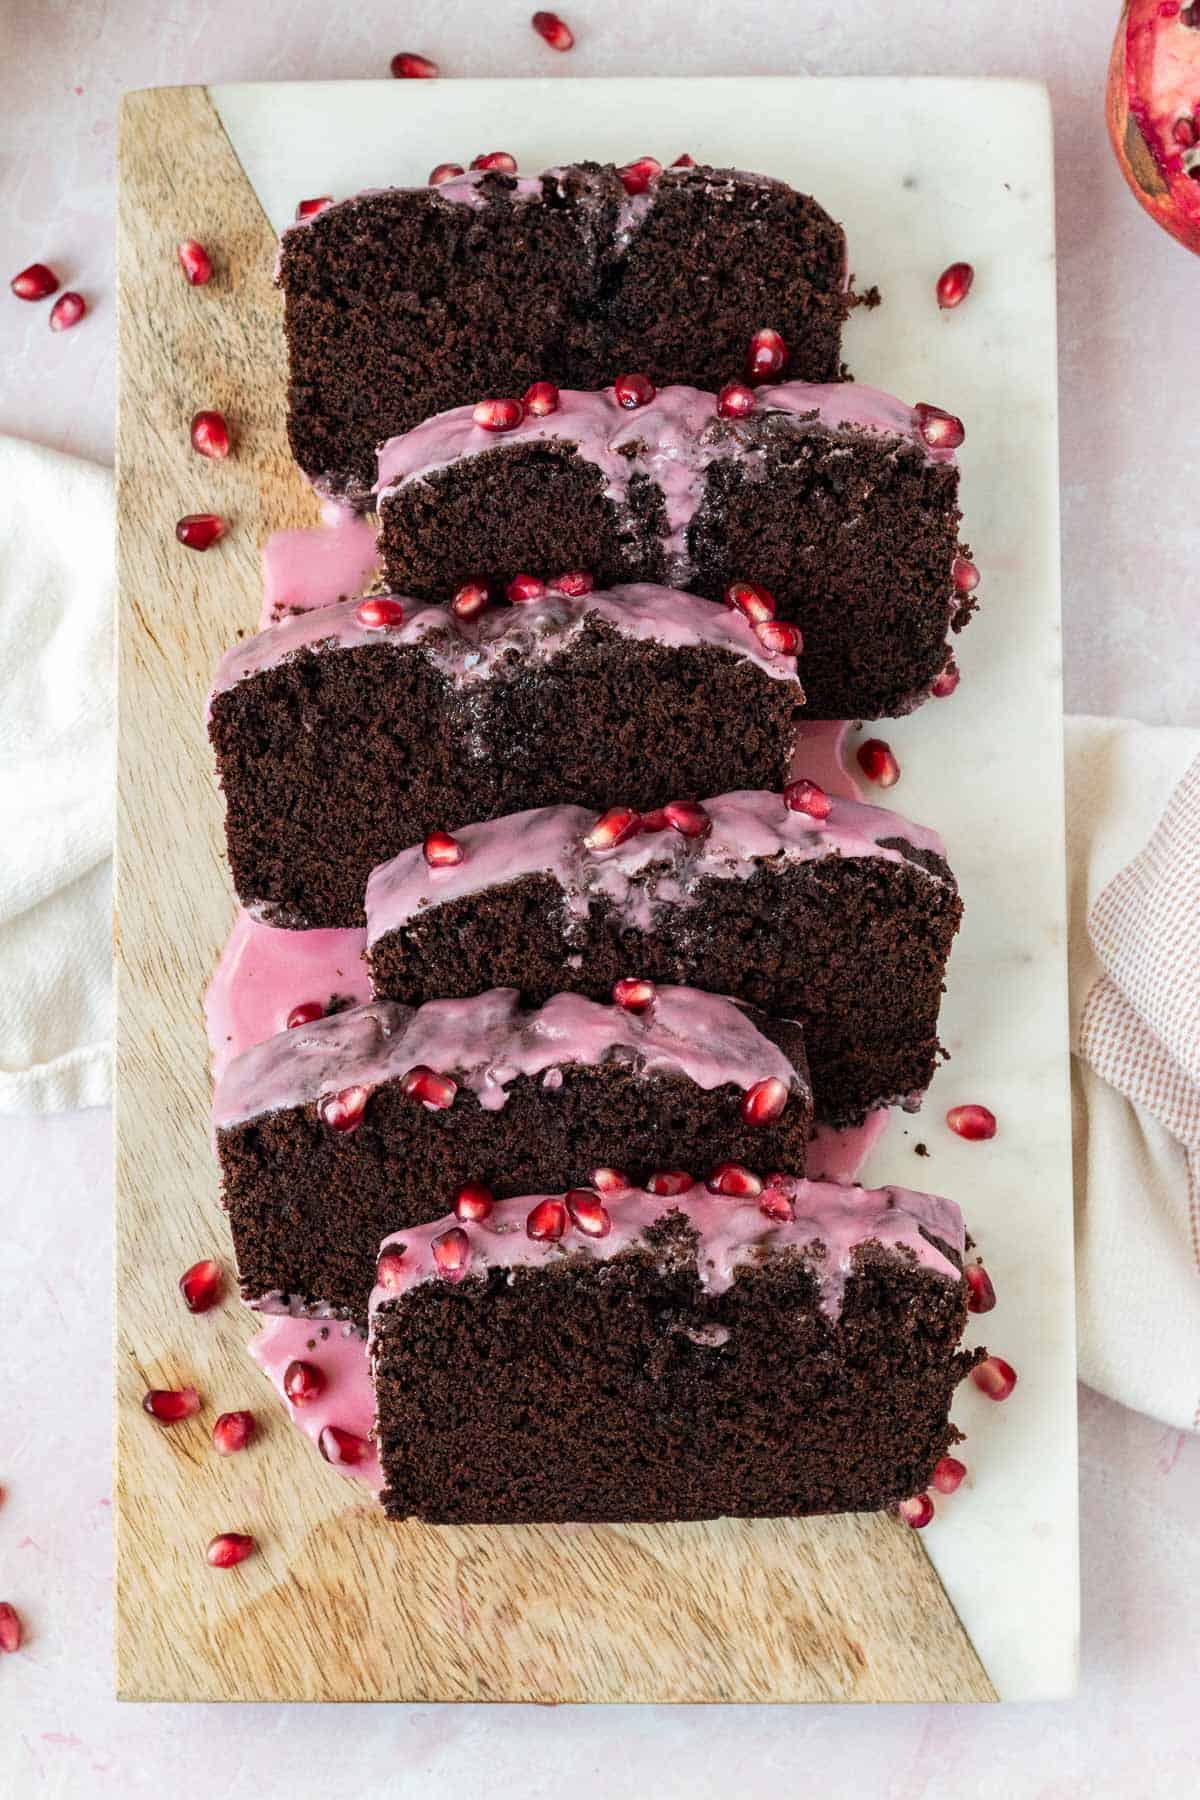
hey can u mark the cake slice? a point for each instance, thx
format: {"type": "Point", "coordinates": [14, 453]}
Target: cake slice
{"type": "Point", "coordinates": [344, 734]}
{"type": "Point", "coordinates": [679, 1358]}
{"type": "Point", "coordinates": [339, 1131]}
{"type": "Point", "coordinates": [844, 923]}
{"type": "Point", "coordinates": [831, 497]}
{"type": "Point", "coordinates": [401, 302]}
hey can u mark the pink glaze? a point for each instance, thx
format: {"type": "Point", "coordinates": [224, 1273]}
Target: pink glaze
{"type": "Point", "coordinates": [319, 566]}
{"type": "Point", "coordinates": [489, 1040]}
{"type": "Point", "coordinates": [839, 1155]}
{"type": "Point", "coordinates": [263, 973]}
{"type": "Point", "coordinates": [346, 1400]}
{"type": "Point", "coordinates": [647, 871]}
{"type": "Point", "coordinates": [823, 755]}
{"type": "Point", "coordinates": [829, 1221]}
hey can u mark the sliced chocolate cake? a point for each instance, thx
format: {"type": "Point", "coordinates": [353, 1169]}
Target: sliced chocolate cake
{"type": "Point", "coordinates": [344, 734]}
{"type": "Point", "coordinates": [339, 1131]}
{"type": "Point", "coordinates": [844, 922]}
{"type": "Point", "coordinates": [677, 1358]}
{"type": "Point", "coordinates": [401, 302]}
{"type": "Point", "coordinates": [832, 498]}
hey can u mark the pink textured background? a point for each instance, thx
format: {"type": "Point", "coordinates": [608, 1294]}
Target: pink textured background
{"type": "Point", "coordinates": [1130, 467]}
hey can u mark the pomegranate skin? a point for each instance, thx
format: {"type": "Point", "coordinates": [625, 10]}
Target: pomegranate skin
{"type": "Point", "coordinates": [1153, 84]}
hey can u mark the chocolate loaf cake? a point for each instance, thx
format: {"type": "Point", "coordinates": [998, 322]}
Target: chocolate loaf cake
{"type": "Point", "coordinates": [339, 1131]}
{"type": "Point", "coordinates": [844, 923]}
{"type": "Point", "coordinates": [401, 302]}
{"type": "Point", "coordinates": [681, 1358]}
{"type": "Point", "coordinates": [344, 734]}
{"type": "Point", "coordinates": [830, 497]}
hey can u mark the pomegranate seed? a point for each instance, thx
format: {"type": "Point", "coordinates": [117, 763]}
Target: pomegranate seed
{"type": "Point", "coordinates": [635, 996]}
{"type": "Point", "coordinates": [303, 1382]}
{"type": "Point", "coordinates": [1183, 131]}
{"type": "Point", "coordinates": [342, 1448]}
{"type": "Point", "coordinates": [805, 796]}
{"type": "Point", "coordinates": [37, 282]}
{"type": "Point", "coordinates": [981, 1295]}
{"type": "Point", "coordinates": [995, 1378]}
{"type": "Point", "coordinates": [576, 583]}
{"type": "Point", "coordinates": [632, 391]}
{"type": "Point", "coordinates": [614, 827]}
{"type": "Point", "coordinates": [201, 1285]}
{"type": "Point", "coordinates": [380, 613]}
{"type": "Point", "coordinates": [547, 1221]}
{"type": "Point", "coordinates": [964, 575]}
{"type": "Point", "coordinates": [766, 355]}
{"type": "Point", "coordinates": [524, 588]}
{"type": "Point", "coordinates": [610, 1181]}
{"type": "Point", "coordinates": [389, 1270]}
{"type": "Point", "coordinates": [916, 1512]}
{"type": "Point", "coordinates": [688, 818]}
{"type": "Point", "coordinates": [308, 209]}
{"type": "Point", "coordinates": [10, 1628]}
{"type": "Point", "coordinates": [498, 415]}
{"type": "Point", "coordinates": [407, 67]}
{"type": "Point", "coordinates": [948, 1476]}
{"type": "Point", "coordinates": [210, 435]}
{"type": "Point", "coordinates": [954, 284]}
{"type": "Point", "coordinates": [972, 1121]}
{"type": "Point", "coordinates": [200, 531]}
{"type": "Point", "coordinates": [637, 176]}
{"type": "Point", "coordinates": [732, 1178]}
{"type": "Point", "coordinates": [472, 598]}
{"type": "Point", "coordinates": [541, 399]}
{"type": "Point", "coordinates": [945, 683]}
{"type": "Point", "coordinates": [232, 1432]}
{"type": "Point", "coordinates": [755, 603]}
{"type": "Point", "coordinates": [452, 1253]}
{"type": "Point", "coordinates": [307, 1013]}
{"type": "Point", "coordinates": [877, 763]}
{"type": "Point", "coordinates": [496, 159]}
{"type": "Point", "coordinates": [434, 1091]}
{"type": "Point", "coordinates": [764, 1101]}
{"type": "Point", "coordinates": [441, 851]}
{"type": "Point", "coordinates": [344, 1110]}
{"type": "Point", "coordinates": [228, 1549]}
{"type": "Point", "coordinates": [444, 172]}
{"type": "Point", "coordinates": [684, 162]}
{"type": "Point", "coordinates": [656, 820]}
{"type": "Point", "coordinates": [195, 262]}
{"type": "Point", "coordinates": [589, 1213]}
{"type": "Point", "coordinates": [557, 34]}
{"type": "Point", "coordinates": [171, 1405]}
{"type": "Point", "coordinates": [473, 1201]}
{"type": "Point", "coordinates": [941, 430]}
{"type": "Point", "coordinates": [735, 400]}
{"type": "Point", "coordinates": [779, 638]}
{"type": "Point", "coordinates": [776, 1204]}
{"type": "Point", "coordinates": [669, 1181]}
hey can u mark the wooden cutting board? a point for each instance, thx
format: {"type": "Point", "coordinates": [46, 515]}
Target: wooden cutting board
{"type": "Point", "coordinates": [339, 1604]}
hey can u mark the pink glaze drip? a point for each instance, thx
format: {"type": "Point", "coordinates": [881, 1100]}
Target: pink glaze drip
{"type": "Point", "coordinates": [822, 755]}
{"type": "Point", "coordinates": [732, 1233]}
{"type": "Point", "coordinates": [317, 567]}
{"type": "Point", "coordinates": [487, 1041]}
{"type": "Point", "coordinates": [839, 1155]}
{"type": "Point", "coordinates": [263, 973]}
{"type": "Point", "coordinates": [347, 1399]}
{"type": "Point", "coordinates": [642, 874]}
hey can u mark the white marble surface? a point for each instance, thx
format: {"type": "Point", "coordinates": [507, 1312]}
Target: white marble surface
{"type": "Point", "coordinates": [1129, 484]}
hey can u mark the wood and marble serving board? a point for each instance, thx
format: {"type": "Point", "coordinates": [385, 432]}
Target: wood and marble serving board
{"type": "Point", "coordinates": [338, 1604]}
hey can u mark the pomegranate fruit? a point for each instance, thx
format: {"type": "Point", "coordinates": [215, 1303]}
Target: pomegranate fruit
{"type": "Point", "coordinates": [1153, 108]}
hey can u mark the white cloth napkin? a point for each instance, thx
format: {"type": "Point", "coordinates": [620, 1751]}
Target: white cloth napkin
{"type": "Point", "coordinates": [56, 780]}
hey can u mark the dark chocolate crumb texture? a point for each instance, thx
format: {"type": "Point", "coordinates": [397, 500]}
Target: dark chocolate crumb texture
{"type": "Point", "coordinates": [402, 302]}
{"type": "Point", "coordinates": [831, 497]}
{"type": "Point", "coordinates": [337, 1132]}
{"type": "Point", "coordinates": [843, 922]}
{"type": "Point", "coordinates": [342, 735]}
{"type": "Point", "coordinates": [625, 1356]}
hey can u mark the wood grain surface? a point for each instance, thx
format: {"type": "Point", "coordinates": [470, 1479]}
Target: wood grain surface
{"type": "Point", "coordinates": [339, 1604]}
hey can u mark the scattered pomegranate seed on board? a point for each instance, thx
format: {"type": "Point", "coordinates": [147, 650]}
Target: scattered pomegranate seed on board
{"type": "Point", "coordinates": [210, 435]}
{"type": "Point", "coordinates": [229, 1549]}
{"type": "Point", "coordinates": [201, 1285]}
{"type": "Point", "coordinates": [805, 796]}
{"type": "Point", "coordinates": [452, 1253]}
{"type": "Point", "coordinates": [632, 391]}
{"type": "Point", "coordinates": [195, 262]}
{"type": "Point", "coordinates": [171, 1405]}
{"type": "Point", "coordinates": [406, 66]}
{"type": "Point", "coordinates": [498, 415]}
{"type": "Point", "coordinates": [200, 531]}
{"type": "Point", "coordinates": [995, 1378]}
{"type": "Point", "coordinates": [954, 284]}
{"type": "Point", "coordinates": [307, 1013]}
{"type": "Point", "coordinates": [547, 1221]}
{"type": "Point", "coordinates": [633, 995]}
{"type": "Point", "coordinates": [37, 282]}
{"type": "Point", "coordinates": [540, 399]}
{"type": "Point", "coordinates": [972, 1121]}
{"type": "Point", "coordinates": [614, 827]}
{"type": "Point", "coordinates": [344, 1110]}
{"type": "Point", "coordinates": [941, 430]}
{"type": "Point", "coordinates": [473, 1202]}
{"type": "Point", "coordinates": [916, 1512]}
{"type": "Point", "coordinates": [433, 1090]}
{"type": "Point", "coordinates": [943, 685]}
{"type": "Point", "coordinates": [496, 159]}
{"type": "Point", "coordinates": [764, 1101]}
{"type": "Point", "coordinates": [232, 1432]}
{"type": "Point", "coordinates": [10, 1628]}
{"type": "Point", "coordinates": [948, 1475]}
{"type": "Point", "coordinates": [766, 355]}
{"type": "Point", "coordinates": [303, 1382]}
{"type": "Point", "coordinates": [877, 762]}
{"type": "Point", "coordinates": [444, 172]}
{"type": "Point", "coordinates": [981, 1295]}
{"type": "Point", "coordinates": [637, 176]}
{"type": "Point", "coordinates": [380, 612]}
{"type": "Point", "coordinates": [588, 1213]}
{"type": "Point", "coordinates": [441, 851]}
{"type": "Point", "coordinates": [555, 31]}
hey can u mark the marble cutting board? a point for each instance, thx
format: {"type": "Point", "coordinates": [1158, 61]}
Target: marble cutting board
{"type": "Point", "coordinates": [339, 1605]}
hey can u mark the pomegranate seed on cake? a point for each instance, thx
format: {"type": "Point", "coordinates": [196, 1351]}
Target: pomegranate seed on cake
{"type": "Point", "coordinates": [723, 1360]}
{"type": "Point", "coordinates": [746, 503]}
{"type": "Point", "coordinates": [531, 1097]}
